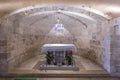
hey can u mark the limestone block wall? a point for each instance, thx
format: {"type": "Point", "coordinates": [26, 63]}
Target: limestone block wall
{"type": "Point", "coordinates": [88, 44]}
{"type": "Point", "coordinates": [82, 40]}
{"type": "Point", "coordinates": [115, 48]}
{"type": "Point", "coordinates": [82, 44]}
{"type": "Point", "coordinates": [102, 52]}
{"type": "Point", "coordinates": [106, 55]}
{"type": "Point", "coordinates": [22, 48]}
{"type": "Point", "coordinates": [3, 63]}
{"type": "Point", "coordinates": [95, 52]}
{"type": "Point", "coordinates": [115, 54]}
{"type": "Point", "coordinates": [98, 49]}
{"type": "Point", "coordinates": [3, 53]}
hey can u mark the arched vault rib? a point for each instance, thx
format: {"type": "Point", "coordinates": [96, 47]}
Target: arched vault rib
{"type": "Point", "coordinates": [46, 16]}
{"type": "Point", "coordinates": [52, 7]}
{"type": "Point", "coordinates": [57, 12]}
{"type": "Point", "coordinates": [76, 19]}
{"type": "Point", "coordinates": [64, 12]}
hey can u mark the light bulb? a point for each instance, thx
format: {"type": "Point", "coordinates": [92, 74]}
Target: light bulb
{"type": "Point", "coordinates": [26, 13]}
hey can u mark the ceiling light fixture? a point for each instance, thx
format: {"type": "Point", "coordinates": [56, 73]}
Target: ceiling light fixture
{"type": "Point", "coordinates": [89, 12]}
{"type": "Point", "coordinates": [58, 29]}
{"type": "Point", "coordinates": [26, 13]}
{"type": "Point", "coordinates": [6, 20]}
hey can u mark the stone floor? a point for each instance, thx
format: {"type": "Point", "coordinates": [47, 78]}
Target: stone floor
{"type": "Point", "coordinates": [66, 79]}
{"type": "Point", "coordinates": [85, 67]}
{"type": "Point", "coordinates": [77, 79]}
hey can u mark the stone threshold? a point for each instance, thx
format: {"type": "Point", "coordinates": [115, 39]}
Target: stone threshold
{"type": "Point", "coordinates": [27, 75]}
{"type": "Point", "coordinates": [64, 67]}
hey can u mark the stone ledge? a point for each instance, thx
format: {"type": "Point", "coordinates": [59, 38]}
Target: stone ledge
{"type": "Point", "coordinates": [28, 75]}
{"type": "Point", "coordinates": [52, 67]}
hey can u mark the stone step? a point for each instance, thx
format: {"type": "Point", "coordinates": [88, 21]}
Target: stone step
{"type": "Point", "coordinates": [28, 75]}
{"type": "Point", "coordinates": [44, 67]}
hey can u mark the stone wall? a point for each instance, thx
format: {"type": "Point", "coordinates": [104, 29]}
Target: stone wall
{"type": "Point", "coordinates": [22, 48]}
{"type": "Point", "coordinates": [3, 63]}
{"type": "Point", "coordinates": [98, 49]}
{"type": "Point", "coordinates": [115, 54]}
{"type": "Point", "coordinates": [115, 48]}
{"type": "Point", "coordinates": [3, 53]}
{"type": "Point", "coordinates": [102, 52]}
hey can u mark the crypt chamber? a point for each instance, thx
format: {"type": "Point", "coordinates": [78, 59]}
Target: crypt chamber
{"type": "Point", "coordinates": [59, 39]}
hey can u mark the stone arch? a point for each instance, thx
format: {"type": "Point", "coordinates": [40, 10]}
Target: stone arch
{"type": "Point", "coordinates": [14, 18]}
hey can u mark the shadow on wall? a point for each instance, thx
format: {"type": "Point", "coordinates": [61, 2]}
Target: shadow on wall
{"type": "Point", "coordinates": [89, 54]}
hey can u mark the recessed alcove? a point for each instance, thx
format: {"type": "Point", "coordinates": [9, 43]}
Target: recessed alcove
{"type": "Point", "coordinates": [28, 29]}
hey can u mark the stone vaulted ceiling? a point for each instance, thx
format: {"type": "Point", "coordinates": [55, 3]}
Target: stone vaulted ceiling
{"type": "Point", "coordinates": [37, 17]}
{"type": "Point", "coordinates": [110, 7]}
{"type": "Point", "coordinates": [40, 19]}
